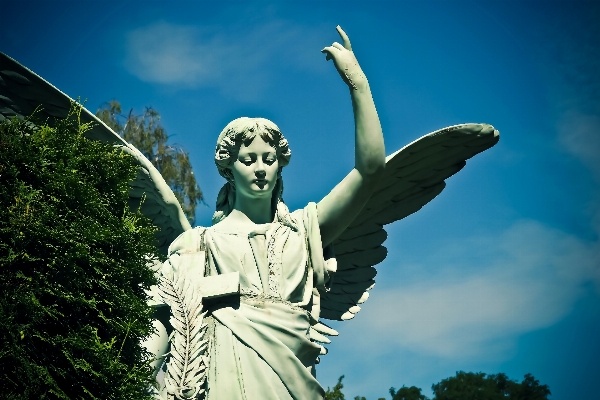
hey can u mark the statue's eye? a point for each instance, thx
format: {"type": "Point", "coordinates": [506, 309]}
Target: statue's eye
{"type": "Point", "coordinates": [246, 160]}
{"type": "Point", "coordinates": [270, 160]}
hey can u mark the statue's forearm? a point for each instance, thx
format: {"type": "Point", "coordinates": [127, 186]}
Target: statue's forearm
{"type": "Point", "coordinates": [369, 146]}
{"type": "Point", "coordinates": [339, 208]}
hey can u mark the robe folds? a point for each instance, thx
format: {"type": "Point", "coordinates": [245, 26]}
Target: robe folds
{"type": "Point", "coordinates": [258, 341]}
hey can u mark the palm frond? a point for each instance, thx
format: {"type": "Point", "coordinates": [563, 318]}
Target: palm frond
{"type": "Point", "coordinates": [188, 358]}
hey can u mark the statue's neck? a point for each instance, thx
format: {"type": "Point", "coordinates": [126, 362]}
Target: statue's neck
{"type": "Point", "coordinates": [257, 211]}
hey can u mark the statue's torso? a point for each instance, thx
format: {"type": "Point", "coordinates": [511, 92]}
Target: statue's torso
{"type": "Point", "coordinates": [271, 259]}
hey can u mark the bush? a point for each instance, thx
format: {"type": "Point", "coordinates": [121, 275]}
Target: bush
{"type": "Point", "coordinates": [72, 267]}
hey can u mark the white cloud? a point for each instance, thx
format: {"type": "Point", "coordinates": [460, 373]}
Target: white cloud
{"type": "Point", "coordinates": [570, 63]}
{"type": "Point", "coordinates": [238, 61]}
{"type": "Point", "coordinates": [524, 279]}
{"type": "Point", "coordinates": [166, 53]}
{"type": "Point", "coordinates": [579, 134]}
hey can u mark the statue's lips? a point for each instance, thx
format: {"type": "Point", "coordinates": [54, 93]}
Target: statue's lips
{"type": "Point", "coordinates": [260, 182]}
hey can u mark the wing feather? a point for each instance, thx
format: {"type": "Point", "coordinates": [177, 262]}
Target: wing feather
{"type": "Point", "coordinates": [414, 175]}
{"type": "Point", "coordinates": [318, 337]}
{"type": "Point", "coordinates": [409, 205]}
{"type": "Point", "coordinates": [335, 315]}
{"type": "Point", "coordinates": [333, 305]}
{"type": "Point", "coordinates": [361, 258]}
{"type": "Point", "coordinates": [358, 231]}
{"type": "Point", "coordinates": [346, 298]}
{"type": "Point", "coordinates": [22, 92]}
{"type": "Point", "coordinates": [365, 242]}
{"type": "Point", "coordinates": [352, 288]}
{"type": "Point", "coordinates": [355, 275]}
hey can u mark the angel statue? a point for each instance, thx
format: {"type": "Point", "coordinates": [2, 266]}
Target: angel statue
{"type": "Point", "coordinates": [240, 304]}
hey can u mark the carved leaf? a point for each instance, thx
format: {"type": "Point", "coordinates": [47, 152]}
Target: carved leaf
{"type": "Point", "coordinates": [188, 361]}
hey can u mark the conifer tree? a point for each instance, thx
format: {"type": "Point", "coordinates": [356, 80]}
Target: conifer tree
{"type": "Point", "coordinates": [73, 273]}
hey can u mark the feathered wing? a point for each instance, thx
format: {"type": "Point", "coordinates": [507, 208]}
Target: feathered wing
{"type": "Point", "coordinates": [22, 92]}
{"type": "Point", "coordinates": [413, 176]}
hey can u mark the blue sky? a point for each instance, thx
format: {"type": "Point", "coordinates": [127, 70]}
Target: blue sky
{"type": "Point", "coordinates": [500, 273]}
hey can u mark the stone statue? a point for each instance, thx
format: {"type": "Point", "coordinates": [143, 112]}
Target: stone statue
{"type": "Point", "coordinates": [240, 305]}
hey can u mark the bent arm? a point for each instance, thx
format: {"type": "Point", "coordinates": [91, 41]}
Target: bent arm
{"type": "Point", "coordinates": [341, 206]}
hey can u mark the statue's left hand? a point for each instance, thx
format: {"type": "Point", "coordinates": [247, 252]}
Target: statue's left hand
{"type": "Point", "coordinates": [345, 61]}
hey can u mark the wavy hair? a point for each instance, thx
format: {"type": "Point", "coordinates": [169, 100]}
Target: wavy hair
{"type": "Point", "coordinates": [238, 131]}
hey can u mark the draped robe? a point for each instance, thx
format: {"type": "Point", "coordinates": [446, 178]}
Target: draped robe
{"type": "Point", "coordinates": [259, 345]}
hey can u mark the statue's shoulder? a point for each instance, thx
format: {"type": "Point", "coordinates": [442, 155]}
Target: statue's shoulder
{"type": "Point", "coordinates": [189, 241]}
{"type": "Point", "coordinates": [306, 215]}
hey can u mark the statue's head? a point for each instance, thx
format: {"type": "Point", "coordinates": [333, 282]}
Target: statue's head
{"type": "Point", "coordinates": [243, 132]}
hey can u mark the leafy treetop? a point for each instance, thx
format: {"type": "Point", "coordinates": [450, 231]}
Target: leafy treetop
{"type": "Point", "coordinates": [149, 137]}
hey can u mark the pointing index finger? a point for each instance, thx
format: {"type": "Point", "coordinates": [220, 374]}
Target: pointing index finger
{"type": "Point", "coordinates": [344, 37]}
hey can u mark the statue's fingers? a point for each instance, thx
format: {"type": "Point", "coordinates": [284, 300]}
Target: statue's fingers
{"type": "Point", "coordinates": [328, 52]}
{"type": "Point", "coordinates": [344, 37]}
{"type": "Point", "coordinates": [338, 46]}
{"type": "Point", "coordinates": [327, 55]}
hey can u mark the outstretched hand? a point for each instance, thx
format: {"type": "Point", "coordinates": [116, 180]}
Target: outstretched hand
{"type": "Point", "coordinates": [345, 61]}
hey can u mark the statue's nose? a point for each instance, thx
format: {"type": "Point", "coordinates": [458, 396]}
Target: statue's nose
{"type": "Point", "coordinates": [261, 173]}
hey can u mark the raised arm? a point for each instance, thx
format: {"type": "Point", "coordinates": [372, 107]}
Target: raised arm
{"type": "Point", "coordinates": [339, 208]}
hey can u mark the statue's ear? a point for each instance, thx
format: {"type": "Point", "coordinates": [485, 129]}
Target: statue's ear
{"type": "Point", "coordinates": [228, 174]}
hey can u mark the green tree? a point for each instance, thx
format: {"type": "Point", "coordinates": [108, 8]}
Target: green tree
{"type": "Point", "coordinates": [470, 386]}
{"type": "Point", "coordinates": [464, 386]}
{"type": "Point", "coordinates": [73, 267]}
{"type": "Point", "coordinates": [407, 393]}
{"type": "Point", "coordinates": [149, 137]}
{"type": "Point", "coordinates": [530, 389]}
{"type": "Point", "coordinates": [478, 386]}
{"type": "Point", "coordinates": [336, 393]}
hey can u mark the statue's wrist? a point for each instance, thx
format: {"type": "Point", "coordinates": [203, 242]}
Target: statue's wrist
{"type": "Point", "coordinates": [356, 80]}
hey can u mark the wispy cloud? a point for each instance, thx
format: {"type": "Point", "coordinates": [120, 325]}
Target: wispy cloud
{"type": "Point", "coordinates": [523, 279]}
{"type": "Point", "coordinates": [166, 53]}
{"type": "Point", "coordinates": [238, 61]}
{"type": "Point", "coordinates": [579, 134]}
{"type": "Point", "coordinates": [571, 64]}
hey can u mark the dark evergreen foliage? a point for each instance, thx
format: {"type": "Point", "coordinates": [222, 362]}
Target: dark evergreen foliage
{"type": "Point", "coordinates": [72, 267]}
{"type": "Point", "coordinates": [479, 386]}
{"type": "Point", "coordinates": [149, 137]}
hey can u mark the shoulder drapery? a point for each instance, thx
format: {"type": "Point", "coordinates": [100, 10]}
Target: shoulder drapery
{"type": "Point", "coordinates": [259, 344]}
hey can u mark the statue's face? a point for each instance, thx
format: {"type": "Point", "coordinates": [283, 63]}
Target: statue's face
{"type": "Point", "coordinates": [255, 169]}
